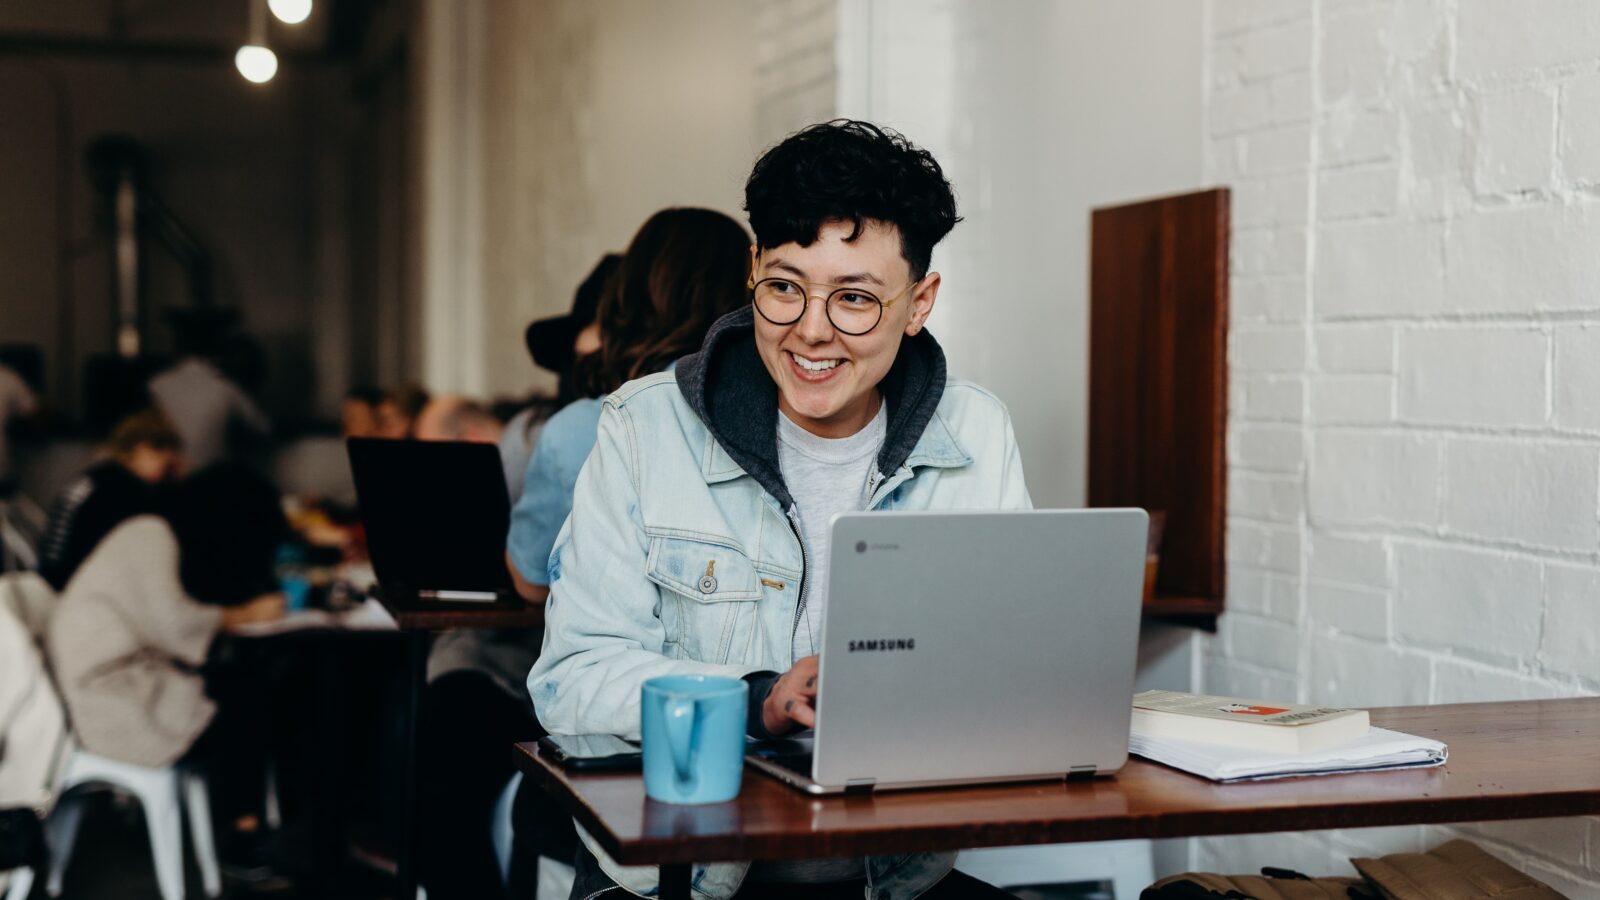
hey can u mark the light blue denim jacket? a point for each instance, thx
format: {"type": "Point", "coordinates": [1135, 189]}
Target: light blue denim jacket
{"type": "Point", "coordinates": [662, 498]}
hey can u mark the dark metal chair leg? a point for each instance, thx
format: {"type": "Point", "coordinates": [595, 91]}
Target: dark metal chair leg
{"type": "Point", "coordinates": [406, 865]}
{"type": "Point", "coordinates": [675, 881]}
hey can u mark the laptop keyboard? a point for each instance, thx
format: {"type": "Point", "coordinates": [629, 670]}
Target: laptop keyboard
{"type": "Point", "coordinates": [800, 764]}
{"type": "Point", "coordinates": [786, 753]}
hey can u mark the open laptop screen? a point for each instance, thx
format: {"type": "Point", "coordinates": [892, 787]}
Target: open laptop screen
{"type": "Point", "coordinates": [435, 513]}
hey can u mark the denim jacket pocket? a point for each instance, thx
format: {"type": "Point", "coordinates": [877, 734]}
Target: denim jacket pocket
{"type": "Point", "coordinates": [708, 598]}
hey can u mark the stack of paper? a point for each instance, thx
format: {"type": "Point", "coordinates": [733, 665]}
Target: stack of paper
{"type": "Point", "coordinates": [1380, 749]}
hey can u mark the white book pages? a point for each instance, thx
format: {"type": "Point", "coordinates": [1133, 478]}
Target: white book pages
{"type": "Point", "coordinates": [1380, 749]}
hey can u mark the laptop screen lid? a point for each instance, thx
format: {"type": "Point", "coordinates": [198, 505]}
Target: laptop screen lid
{"type": "Point", "coordinates": [974, 646]}
{"type": "Point", "coordinates": [435, 513]}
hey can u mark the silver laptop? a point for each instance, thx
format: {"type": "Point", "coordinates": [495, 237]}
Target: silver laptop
{"type": "Point", "coordinates": [969, 647]}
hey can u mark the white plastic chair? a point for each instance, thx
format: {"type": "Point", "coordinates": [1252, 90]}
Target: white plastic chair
{"type": "Point", "coordinates": [33, 725]}
{"type": "Point", "coordinates": [1128, 865]}
{"type": "Point", "coordinates": [17, 548]}
{"type": "Point", "coordinates": [21, 884]}
{"type": "Point", "coordinates": [163, 794]}
{"type": "Point", "coordinates": [500, 825]}
{"type": "Point", "coordinates": [555, 877]}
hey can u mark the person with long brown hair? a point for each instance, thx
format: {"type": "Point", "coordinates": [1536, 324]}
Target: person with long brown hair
{"type": "Point", "coordinates": [683, 270]}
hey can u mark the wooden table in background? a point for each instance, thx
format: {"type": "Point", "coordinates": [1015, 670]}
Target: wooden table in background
{"type": "Point", "coordinates": [1516, 760]}
{"type": "Point", "coordinates": [419, 619]}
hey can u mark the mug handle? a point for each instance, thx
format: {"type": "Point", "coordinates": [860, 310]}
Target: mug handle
{"type": "Point", "coordinates": [680, 722]}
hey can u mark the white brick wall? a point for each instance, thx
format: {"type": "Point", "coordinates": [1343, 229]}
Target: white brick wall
{"type": "Point", "coordinates": [1517, 141]}
{"type": "Point", "coordinates": [1580, 131]}
{"type": "Point", "coordinates": [796, 66]}
{"type": "Point", "coordinates": [1414, 473]}
{"type": "Point", "coordinates": [1474, 376]}
{"type": "Point", "coordinates": [596, 113]}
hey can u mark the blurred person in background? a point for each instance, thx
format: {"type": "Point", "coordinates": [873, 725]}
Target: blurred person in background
{"type": "Point", "coordinates": [451, 417]}
{"type": "Point", "coordinates": [398, 411]}
{"type": "Point", "coordinates": [132, 637]}
{"type": "Point", "coordinates": [203, 403]}
{"type": "Point", "coordinates": [144, 450]}
{"type": "Point", "coordinates": [15, 400]}
{"type": "Point", "coordinates": [358, 412]}
{"type": "Point", "coordinates": [684, 268]}
{"type": "Point", "coordinates": [555, 343]}
{"type": "Point", "coordinates": [474, 701]}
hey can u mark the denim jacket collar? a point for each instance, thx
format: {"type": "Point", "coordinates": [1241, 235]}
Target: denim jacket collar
{"type": "Point", "coordinates": [729, 388]}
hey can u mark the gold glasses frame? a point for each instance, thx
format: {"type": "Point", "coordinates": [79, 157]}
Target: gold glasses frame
{"type": "Point", "coordinates": [827, 300]}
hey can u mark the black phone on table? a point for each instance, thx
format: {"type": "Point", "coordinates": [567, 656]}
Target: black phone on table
{"type": "Point", "coordinates": [592, 752]}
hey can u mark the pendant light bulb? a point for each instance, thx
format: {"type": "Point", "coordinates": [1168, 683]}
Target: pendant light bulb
{"type": "Point", "coordinates": [256, 63]}
{"type": "Point", "coordinates": [290, 12]}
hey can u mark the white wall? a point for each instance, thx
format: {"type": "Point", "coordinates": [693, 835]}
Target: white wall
{"type": "Point", "coordinates": [1038, 111]}
{"type": "Point", "coordinates": [555, 128]}
{"type": "Point", "coordinates": [598, 113]}
{"type": "Point", "coordinates": [1414, 433]}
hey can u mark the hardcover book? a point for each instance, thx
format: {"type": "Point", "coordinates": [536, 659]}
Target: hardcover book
{"type": "Point", "coordinates": [1253, 724]}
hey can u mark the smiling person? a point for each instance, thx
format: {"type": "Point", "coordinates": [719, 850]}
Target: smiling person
{"type": "Point", "coordinates": [698, 539]}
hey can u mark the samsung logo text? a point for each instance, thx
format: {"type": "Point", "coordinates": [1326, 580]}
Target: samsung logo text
{"type": "Point", "coordinates": [884, 644]}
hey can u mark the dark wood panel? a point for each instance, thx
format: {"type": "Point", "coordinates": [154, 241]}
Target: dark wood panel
{"type": "Point", "coordinates": [1527, 759]}
{"type": "Point", "coordinates": [1158, 376]}
{"type": "Point", "coordinates": [1197, 612]}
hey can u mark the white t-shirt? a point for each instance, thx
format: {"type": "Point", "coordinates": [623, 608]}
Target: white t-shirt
{"type": "Point", "coordinates": [202, 402]}
{"type": "Point", "coordinates": [825, 476]}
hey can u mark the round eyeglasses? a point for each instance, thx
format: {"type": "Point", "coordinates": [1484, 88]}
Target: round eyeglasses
{"type": "Point", "coordinates": [851, 310]}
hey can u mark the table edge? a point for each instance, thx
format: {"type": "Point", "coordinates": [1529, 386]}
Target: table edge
{"type": "Point", "coordinates": [1410, 810]}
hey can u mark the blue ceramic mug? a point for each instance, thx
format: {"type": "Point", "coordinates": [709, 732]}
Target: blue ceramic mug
{"type": "Point", "coordinates": [692, 730]}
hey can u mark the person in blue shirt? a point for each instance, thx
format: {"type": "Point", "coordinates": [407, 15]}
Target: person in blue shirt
{"type": "Point", "coordinates": [683, 270]}
{"type": "Point", "coordinates": [475, 703]}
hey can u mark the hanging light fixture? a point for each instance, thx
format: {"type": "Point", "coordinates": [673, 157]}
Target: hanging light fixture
{"type": "Point", "coordinates": [290, 12]}
{"type": "Point", "coordinates": [255, 61]}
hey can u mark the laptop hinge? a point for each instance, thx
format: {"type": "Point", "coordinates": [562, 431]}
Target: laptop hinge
{"type": "Point", "coordinates": [860, 785]}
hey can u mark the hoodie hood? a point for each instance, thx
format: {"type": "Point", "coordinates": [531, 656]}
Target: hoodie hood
{"type": "Point", "coordinates": [729, 388]}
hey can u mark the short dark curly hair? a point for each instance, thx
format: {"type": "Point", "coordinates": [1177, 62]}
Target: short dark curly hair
{"type": "Point", "coordinates": [852, 171]}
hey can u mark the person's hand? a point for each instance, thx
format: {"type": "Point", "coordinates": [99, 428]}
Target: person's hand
{"type": "Point", "coordinates": [793, 700]}
{"type": "Point", "coordinates": [264, 608]}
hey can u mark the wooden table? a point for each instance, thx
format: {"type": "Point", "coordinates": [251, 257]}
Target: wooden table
{"type": "Point", "coordinates": [419, 619]}
{"type": "Point", "coordinates": [1527, 759]}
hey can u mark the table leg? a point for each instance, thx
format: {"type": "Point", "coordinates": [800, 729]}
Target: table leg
{"type": "Point", "coordinates": [406, 865]}
{"type": "Point", "coordinates": [327, 775]}
{"type": "Point", "coordinates": [675, 881]}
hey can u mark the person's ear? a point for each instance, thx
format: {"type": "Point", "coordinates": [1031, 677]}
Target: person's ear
{"type": "Point", "coordinates": [922, 302]}
{"type": "Point", "coordinates": [755, 259]}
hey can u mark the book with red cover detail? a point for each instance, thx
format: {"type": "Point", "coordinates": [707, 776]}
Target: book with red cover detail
{"type": "Point", "coordinates": [1252, 724]}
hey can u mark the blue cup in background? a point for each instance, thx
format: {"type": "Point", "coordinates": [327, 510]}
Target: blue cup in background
{"type": "Point", "coordinates": [692, 729]}
{"type": "Point", "coordinates": [296, 591]}
{"type": "Point", "coordinates": [290, 566]}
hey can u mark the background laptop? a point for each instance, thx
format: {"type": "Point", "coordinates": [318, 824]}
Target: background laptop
{"type": "Point", "coordinates": [967, 647]}
{"type": "Point", "coordinates": [436, 515]}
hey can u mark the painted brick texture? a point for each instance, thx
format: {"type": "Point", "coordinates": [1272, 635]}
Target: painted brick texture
{"type": "Point", "coordinates": [1414, 473]}
{"type": "Point", "coordinates": [796, 70]}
